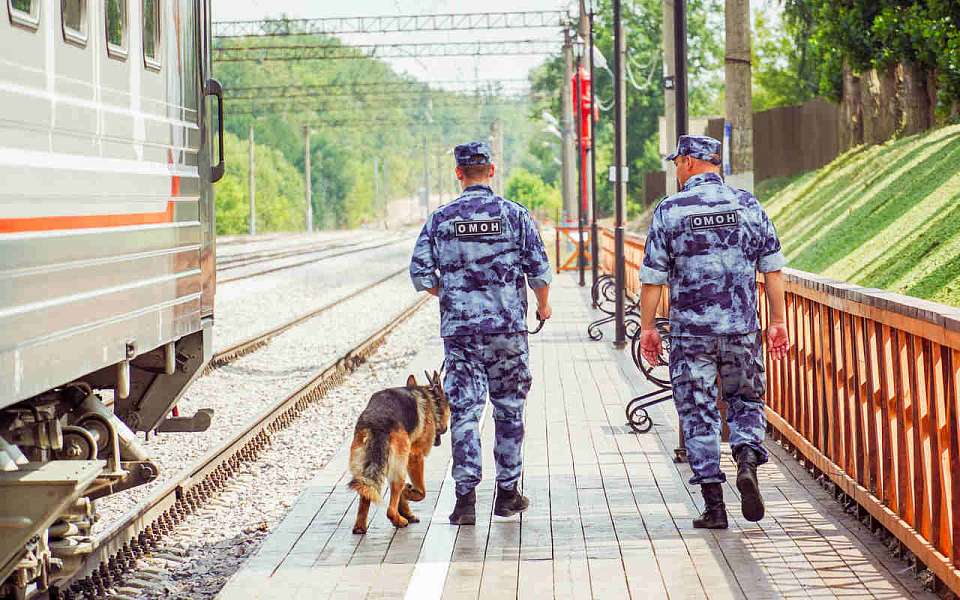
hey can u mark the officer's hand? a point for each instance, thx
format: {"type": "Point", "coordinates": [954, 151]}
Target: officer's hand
{"type": "Point", "coordinates": [435, 291]}
{"type": "Point", "coordinates": [778, 340]}
{"type": "Point", "coordinates": [650, 346]}
{"type": "Point", "coordinates": [544, 312]}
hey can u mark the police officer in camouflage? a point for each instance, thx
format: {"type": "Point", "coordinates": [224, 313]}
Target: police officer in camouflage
{"type": "Point", "coordinates": [477, 254]}
{"type": "Point", "coordinates": [706, 243]}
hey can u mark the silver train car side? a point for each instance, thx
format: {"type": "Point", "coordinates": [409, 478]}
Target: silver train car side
{"type": "Point", "coordinates": [108, 148]}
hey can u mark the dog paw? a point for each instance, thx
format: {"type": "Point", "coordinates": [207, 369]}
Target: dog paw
{"type": "Point", "coordinates": [359, 530]}
{"type": "Point", "coordinates": [399, 522]}
{"type": "Point", "coordinates": [413, 494]}
{"type": "Point", "coordinates": [411, 518]}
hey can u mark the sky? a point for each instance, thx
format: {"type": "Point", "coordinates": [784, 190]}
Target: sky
{"type": "Point", "coordinates": [428, 69]}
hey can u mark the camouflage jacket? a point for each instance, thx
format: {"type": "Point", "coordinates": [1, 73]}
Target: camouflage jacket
{"type": "Point", "coordinates": [479, 249]}
{"type": "Point", "coordinates": [707, 243]}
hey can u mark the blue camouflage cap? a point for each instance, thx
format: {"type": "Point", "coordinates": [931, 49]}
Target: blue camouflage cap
{"type": "Point", "coordinates": [472, 153]}
{"type": "Point", "coordinates": [698, 146]}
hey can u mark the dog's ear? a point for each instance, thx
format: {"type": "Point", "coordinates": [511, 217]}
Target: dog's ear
{"type": "Point", "coordinates": [436, 376]}
{"type": "Point", "coordinates": [411, 381]}
{"type": "Point", "coordinates": [430, 380]}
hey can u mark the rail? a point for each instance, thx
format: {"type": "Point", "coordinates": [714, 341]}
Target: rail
{"type": "Point", "coordinates": [868, 397]}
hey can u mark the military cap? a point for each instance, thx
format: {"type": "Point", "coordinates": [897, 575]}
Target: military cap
{"type": "Point", "coordinates": [698, 146]}
{"type": "Point", "coordinates": [472, 153]}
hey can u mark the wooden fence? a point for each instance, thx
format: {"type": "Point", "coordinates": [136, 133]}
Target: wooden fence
{"type": "Point", "coordinates": [868, 395]}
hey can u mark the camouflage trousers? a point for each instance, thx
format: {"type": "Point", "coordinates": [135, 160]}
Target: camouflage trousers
{"type": "Point", "coordinates": [476, 365]}
{"type": "Point", "coordinates": [703, 369]}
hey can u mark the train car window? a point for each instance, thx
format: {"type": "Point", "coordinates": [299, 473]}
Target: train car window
{"type": "Point", "coordinates": [151, 34]}
{"type": "Point", "coordinates": [74, 17]}
{"type": "Point", "coordinates": [116, 28]}
{"type": "Point", "coordinates": [24, 13]}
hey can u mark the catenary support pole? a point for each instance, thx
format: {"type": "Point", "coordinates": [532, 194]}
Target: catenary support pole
{"type": "Point", "coordinates": [252, 184]}
{"type": "Point", "coordinates": [680, 42]}
{"type": "Point", "coordinates": [619, 180]}
{"type": "Point", "coordinates": [594, 230]}
{"type": "Point", "coordinates": [669, 141]}
{"type": "Point", "coordinates": [566, 123]}
{"type": "Point", "coordinates": [307, 173]}
{"type": "Point", "coordinates": [738, 128]}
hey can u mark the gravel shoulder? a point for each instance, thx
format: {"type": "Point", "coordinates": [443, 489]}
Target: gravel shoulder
{"type": "Point", "coordinates": [198, 558]}
{"type": "Point", "coordinates": [251, 306]}
{"type": "Point", "coordinates": [241, 390]}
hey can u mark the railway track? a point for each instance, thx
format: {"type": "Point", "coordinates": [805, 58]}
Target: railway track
{"type": "Point", "coordinates": [282, 267]}
{"type": "Point", "coordinates": [251, 344]}
{"type": "Point", "coordinates": [139, 531]}
{"type": "Point", "coordinates": [242, 260]}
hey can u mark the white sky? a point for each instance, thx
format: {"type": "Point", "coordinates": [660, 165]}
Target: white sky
{"type": "Point", "coordinates": [448, 68]}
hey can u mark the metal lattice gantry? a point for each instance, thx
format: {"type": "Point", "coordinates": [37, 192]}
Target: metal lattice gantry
{"type": "Point", "coordinates": [393, 23]}
{"type": "Point", "coordinates": [411, 50]}
{"type": "Point", "coordinates": [275, 105]}
{"type": "Point", "coordinates": [361, 89]}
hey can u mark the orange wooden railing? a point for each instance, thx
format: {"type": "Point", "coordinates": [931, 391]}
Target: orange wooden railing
{"type": "Point", "coordinates": [868, 395]}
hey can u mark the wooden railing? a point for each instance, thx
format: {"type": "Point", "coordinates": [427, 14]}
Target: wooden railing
{"type": "Point", "coordinates": [868, 395]}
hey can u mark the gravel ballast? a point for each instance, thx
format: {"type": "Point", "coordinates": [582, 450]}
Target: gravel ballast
{"type": "Point", "coordinates": [241, 390]}
{"type": "Point", "coordinates": [251, 306]}
{"type": "Point", "coordinates": [196, 560]}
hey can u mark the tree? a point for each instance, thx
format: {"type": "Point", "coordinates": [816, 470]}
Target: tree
{"type": "Point", "coordinates": [279, 191]}
{"type": "Point", "coordinates": [642, 21]}
{"type": "Point", "coordinates": [353, 124]}
{"type": "Point", "coordinates": [530, 190]}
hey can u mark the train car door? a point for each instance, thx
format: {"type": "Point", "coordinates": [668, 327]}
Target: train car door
{"type": "Point", "coordinates": [211, 152]}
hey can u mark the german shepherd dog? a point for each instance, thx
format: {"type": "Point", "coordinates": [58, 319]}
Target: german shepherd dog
{"type": "Point", "coordinates": [394, 434]}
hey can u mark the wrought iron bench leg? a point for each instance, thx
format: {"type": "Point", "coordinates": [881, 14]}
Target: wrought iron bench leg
{"type": "Point", "coordinates": [637, 416]}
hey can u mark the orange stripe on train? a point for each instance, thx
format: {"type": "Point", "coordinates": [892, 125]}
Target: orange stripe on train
{"type": "Point", "coordinates": [54, 223]}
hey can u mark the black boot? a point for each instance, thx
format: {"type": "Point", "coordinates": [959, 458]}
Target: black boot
{"type": "Point", "coordinates": [714, 512]}
{"type": "Point", "coordinates": [509, 501]}
{"type": "Point", "coordinates": [751, 502]}
{"type": "Point", "coordinates": [465, 512]}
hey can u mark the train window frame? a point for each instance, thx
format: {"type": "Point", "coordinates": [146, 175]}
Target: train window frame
{"type": "Point", "coordinates": [77, 37]}
{"type": "Point", "coordinates": [151, 63]}
{"type": "Point", "coordinates": [113, 50]}
{"type": "Point", "coordinates": [26, 20]}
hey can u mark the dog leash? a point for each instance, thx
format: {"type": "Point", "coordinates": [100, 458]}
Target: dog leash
{"type": "Point", "coordinates": [539, 326]}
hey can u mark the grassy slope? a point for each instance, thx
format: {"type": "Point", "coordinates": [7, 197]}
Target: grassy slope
{"type": "Point", "coordinates": [885, 216]}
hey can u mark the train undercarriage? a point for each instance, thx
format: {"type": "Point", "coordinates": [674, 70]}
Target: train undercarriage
{"type": "Point", "coordinates": [63, 449]}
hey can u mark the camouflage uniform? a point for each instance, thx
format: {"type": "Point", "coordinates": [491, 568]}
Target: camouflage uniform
{"type": "Point", "coordinates": [707, 243]}
{"type": "Point", "coordinates": [481, 250]}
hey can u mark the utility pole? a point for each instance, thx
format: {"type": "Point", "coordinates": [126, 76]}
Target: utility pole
{"type": "Point", "coordinates": [307, 174]}
{"type": "Point", "coordinates": [426, 177]}
{"type": "Point", "coordinates": [377, 198]}
{"type": "Point", "coordinates": [496, 139]}
{"type": "Point", "coordinates": [594, 232]}
{"type": "Point", "coordinates": [566, 121]}
{"type": "Point", "coordinates": [669, 94]}
{"type": "Point", "coordinates": [619, 177]}
{"type": "Point", "coordinates": [252, 184]}
{"type": "Point", "coordinates": [738, 128]}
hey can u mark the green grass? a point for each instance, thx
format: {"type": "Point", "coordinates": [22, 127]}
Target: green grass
{"type": "Point", "coordinates": [883, 216]}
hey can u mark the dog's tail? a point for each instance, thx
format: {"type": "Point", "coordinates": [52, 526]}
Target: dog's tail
{"type": "Point", "coordinates": [369, 456]}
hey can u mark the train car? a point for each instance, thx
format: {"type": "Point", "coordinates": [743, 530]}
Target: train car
{"type": "Point", "coordinates": [110, 139]}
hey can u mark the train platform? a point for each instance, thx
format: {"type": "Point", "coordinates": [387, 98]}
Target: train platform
{"type": "Point", "coordinates": [609, 517]}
